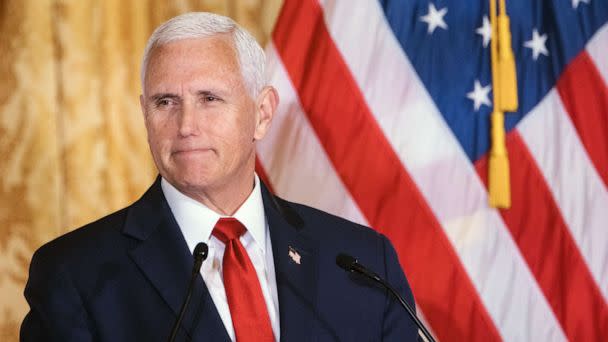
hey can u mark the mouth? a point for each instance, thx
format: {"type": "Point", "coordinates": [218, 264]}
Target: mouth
{"type": "Point", "coordinates": [191, 152]}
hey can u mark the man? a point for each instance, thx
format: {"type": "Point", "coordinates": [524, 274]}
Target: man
{"type": "Point", "coordinates": [271, 271]}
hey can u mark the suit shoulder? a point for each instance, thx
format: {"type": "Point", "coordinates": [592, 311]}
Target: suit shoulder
{"type": "Point", "coordinates": [79, 242]}
{"type": "Point", "coordinates": [331, 225]}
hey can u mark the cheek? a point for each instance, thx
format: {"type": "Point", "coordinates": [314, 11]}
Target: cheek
{"type": "Point", "coordinates": [244, 133]}
{"type": "Point", "coordinates": [231, 129]}
{"type": "Point", "coordinates": [247, 124]}
{"type": "Point", "coordinates": [157, 136]}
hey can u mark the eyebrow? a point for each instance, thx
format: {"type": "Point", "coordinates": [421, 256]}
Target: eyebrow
{"type": "Point", "coordinates": [159, 96]}
{"type": "Point", "coordinates": [214, 92]}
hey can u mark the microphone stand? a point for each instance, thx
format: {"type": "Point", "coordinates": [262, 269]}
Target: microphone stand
{"type": "Point", "coordinates": [200, 254]}
{"type": "Point", "coordinates": [351, 264]}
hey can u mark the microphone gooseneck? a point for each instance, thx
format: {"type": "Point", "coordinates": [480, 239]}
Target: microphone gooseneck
{"type": "Point", "coordinates": [200, 254]}
{"type": "Point", "coordinates": [350, 264]}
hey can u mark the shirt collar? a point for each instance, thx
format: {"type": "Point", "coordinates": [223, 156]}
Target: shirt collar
{"type": "Point", "coordinates": [197, 221]}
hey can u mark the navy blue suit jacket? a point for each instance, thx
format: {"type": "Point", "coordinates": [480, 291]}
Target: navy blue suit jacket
{"type": "Point", "coordinates": [124, 277]}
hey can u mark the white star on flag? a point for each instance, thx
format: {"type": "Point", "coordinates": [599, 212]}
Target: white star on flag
{"type": "Point", "coordinates": [485, 30]}
{"type": "Point", "coordinates": [537, 44]}
{"type": "Point", "coordinates": [434, 18]}
{"type": "Point", "coordinates": [576, 2]}
{"type": "Point", "coordinates": [479, 95]}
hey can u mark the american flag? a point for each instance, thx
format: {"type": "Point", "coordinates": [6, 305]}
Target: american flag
{"type": "Point", "coordinates": [384, 119]}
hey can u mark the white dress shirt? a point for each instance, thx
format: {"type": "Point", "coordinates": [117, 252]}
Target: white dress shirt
{"type": "Point", "coordinates": [196, 222]}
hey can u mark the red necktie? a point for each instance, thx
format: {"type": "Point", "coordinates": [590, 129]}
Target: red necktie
{"type": "Point", "coordinates": [245, 299]}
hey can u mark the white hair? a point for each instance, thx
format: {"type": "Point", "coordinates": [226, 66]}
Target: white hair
{"type": "Point", "coordinates": [202, 25]}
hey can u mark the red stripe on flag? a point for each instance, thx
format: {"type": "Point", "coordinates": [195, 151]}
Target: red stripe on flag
{"type": "Point", "coordinates": [537, 226]}
{"type": "Point", "coordinates": [373, 174]}
{"type": "Point", "coordinates": [585, 97]}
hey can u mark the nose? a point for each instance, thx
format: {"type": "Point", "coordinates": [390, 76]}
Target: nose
{"type": "Point", "coordinates": [188, 121]}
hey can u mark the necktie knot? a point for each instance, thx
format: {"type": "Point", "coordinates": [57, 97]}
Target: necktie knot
{"type": "Point", "coordinates": [228, 228]}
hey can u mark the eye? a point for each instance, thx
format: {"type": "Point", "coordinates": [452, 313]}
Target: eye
{"type": "Point", "coordinates": [164, 102]}
{"type": "Point", "coordinates": [210, 98]}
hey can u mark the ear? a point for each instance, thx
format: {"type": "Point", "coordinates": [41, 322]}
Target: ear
{"type": "Point", "coordinates": [267, 104]}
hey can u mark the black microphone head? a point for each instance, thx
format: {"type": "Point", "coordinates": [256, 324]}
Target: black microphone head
{"type": "Point", "coordinates": [345, 261]}
{"type": "Point", "coordinates": [200, 251]}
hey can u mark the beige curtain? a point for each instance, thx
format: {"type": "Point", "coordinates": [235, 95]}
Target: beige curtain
{"type": "Point", "coordinates": [72, 140]}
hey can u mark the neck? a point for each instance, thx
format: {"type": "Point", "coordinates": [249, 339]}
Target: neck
{"type": "Point", "coordinates": [226, 198]}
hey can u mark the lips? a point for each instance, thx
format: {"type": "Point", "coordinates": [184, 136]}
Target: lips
{"type": "Point", "coordinates": [191, 151]}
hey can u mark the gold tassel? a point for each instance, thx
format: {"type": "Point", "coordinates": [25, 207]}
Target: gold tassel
{"type": "Point", "coordinates": [507, 75]}
{"type": "Point", "coordinates": [498, 174]}
{"type": "Point", "coordinates": [504, 84]}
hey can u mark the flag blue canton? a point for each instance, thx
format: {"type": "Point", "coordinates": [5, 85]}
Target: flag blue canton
{"type": "Point", "coordinates": [450, 59]}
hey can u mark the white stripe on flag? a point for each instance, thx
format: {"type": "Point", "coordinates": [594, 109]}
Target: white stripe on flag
{"type": "Point", "coordinates": [574, 183]}
{"type": "Point", "coordinates": [417, 132]}
{"type": "Point", "coordinates": [293, 157]}
{"type": "Point", "coordinates": [598, 50]}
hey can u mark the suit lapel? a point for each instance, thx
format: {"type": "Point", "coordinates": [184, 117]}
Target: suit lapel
{"type": "Point", "coordinates": [296, 282]}
{"type": "Point", "coordinates": [164, 258]}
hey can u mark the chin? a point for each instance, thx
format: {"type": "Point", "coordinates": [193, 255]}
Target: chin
{"type": "Point", "coordinates": [197, 182]}
{"type": "Point", "coordinates": [191, 180]}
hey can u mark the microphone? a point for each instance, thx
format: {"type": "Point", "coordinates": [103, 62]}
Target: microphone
{"type": "Point", "coordinates": [200, 254]}
{"type": "Point", "coordinates": [350, 264]}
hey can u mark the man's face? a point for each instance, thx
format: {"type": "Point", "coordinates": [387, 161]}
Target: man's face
{"type": "Point", "coordinates": [201, 121]}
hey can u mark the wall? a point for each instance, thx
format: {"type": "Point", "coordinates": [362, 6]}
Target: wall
{"type": "Point", "coordinates": [72, 140]}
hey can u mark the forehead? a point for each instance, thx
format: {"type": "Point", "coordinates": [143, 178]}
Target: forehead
{"type": "Point", "coordinates": [214, 56]}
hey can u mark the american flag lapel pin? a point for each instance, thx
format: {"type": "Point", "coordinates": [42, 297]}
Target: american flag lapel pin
{"type": "Point", "coordinates": [294, 255]}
